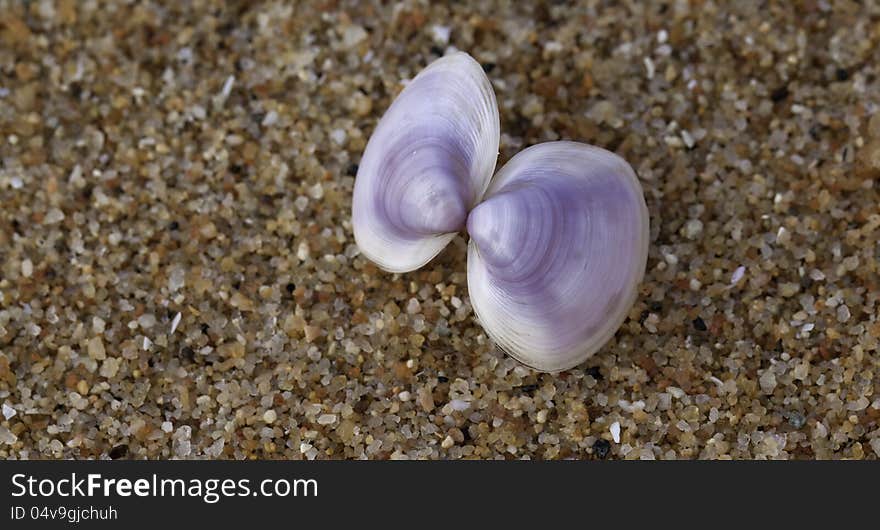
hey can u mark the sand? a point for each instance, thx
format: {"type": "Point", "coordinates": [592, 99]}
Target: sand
{"type": "Point", "coordinates": [179, 279]}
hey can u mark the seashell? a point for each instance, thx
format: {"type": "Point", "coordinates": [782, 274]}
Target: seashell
{"type": "Point", "coordinates": [558, 240]}
{"type": "Point", "coordinates": [428, 162]}
{"type": "Point", "coordinates": [558, 247]}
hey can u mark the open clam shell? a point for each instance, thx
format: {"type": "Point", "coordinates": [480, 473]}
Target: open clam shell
{"type": "Point", "coordinates": [428, 162]}
{"type": "Point", "coordinates": [558, 247]}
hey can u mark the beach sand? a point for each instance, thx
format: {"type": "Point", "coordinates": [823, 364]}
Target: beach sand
{"type": "Point", "coordinates": [179, 279]}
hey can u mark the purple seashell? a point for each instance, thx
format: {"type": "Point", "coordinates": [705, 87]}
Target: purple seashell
{"type": "Point", "coordinates": [426, 165]}
{"type": "Point", "coordinates": [559, 239]}
{"type": "Point", "coordinates": [558, 248]}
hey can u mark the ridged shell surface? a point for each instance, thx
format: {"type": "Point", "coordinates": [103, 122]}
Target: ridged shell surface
{"type": "Point", "coordinates": [426, 165]}
{"type": "Point", "coordinates": [558, 248]}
